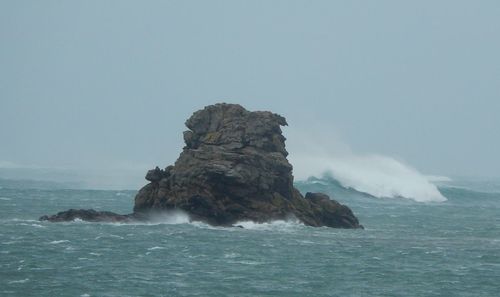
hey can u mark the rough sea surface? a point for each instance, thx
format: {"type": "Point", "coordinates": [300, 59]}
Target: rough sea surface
{"type": "Point", "coordinates": [408, 248]}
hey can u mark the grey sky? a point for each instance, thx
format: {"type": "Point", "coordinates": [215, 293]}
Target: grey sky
{"type": "Point", "coordinates": [109, 84]}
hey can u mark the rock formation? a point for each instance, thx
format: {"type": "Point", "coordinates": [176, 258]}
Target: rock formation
{"type": "Point", "coordinates": [89, 215]}
{"type": "Point", "coordinates": [234, 168]}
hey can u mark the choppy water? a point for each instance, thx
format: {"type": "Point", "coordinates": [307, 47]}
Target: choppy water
{"type": "Point", "coordinates": [450, 248]}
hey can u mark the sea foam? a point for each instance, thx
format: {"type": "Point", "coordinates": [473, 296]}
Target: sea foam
{"type": "Point", "coordinates": [278, 225]}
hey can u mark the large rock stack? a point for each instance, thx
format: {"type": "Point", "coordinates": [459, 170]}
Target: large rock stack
{"type": "Point", "coordinates": [233, 168]}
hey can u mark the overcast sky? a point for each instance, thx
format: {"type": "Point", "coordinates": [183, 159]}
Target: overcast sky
{"type": "Point", "coordinates": [109, 84]}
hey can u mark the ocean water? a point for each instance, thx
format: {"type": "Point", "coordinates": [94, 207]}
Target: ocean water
{"type": "Point", "coordinates": [409, 248]}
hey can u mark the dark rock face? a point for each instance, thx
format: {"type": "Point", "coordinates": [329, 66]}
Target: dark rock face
{"type": "Point", "coordinates": [89, 215]}
{"type": "Point", "coordinates": [233, 168]}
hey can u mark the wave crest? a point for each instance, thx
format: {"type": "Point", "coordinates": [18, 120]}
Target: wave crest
{"type": "Point", "coordinates": [316, 153]}
{"type": "Point", "coordinates": [376, 175]}
{"type": "Point", "coordinates": [385, 177]}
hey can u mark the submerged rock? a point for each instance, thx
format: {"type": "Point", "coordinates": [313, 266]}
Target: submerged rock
{"type": "Point", "coordinates": [233, 168]}
{"type": "Point", "coordinates": [89, 215]}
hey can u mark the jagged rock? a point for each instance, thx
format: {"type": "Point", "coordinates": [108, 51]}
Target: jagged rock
{"type": "Point", "coordinates": [155, 175]}
{"type": "Point", "coordinates": [233, 168]}
{"type": "Point", "coordinates": [89, 215]}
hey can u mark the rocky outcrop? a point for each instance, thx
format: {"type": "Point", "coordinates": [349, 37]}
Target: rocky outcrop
{"type": "Point", "coordinates": [233, 168]}
{"type": "Point", "coordinates": [89, 215]}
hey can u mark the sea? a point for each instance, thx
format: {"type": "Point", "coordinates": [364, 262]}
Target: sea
{"type": "Point", "coordinates": [447, 244]}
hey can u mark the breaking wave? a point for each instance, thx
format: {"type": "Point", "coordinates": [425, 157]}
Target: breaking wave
{"type": "Point", "coordinates": [378, 176]}
{"type": "Point", "coordinates": [316, 153]}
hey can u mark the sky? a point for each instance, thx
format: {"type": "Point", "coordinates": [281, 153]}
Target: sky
{"type": "Point", "coordinates": [104, 87]}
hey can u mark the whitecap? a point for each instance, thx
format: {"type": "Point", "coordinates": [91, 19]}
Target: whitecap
{"type": "Point", "coordinates": [58, 241]}
{"type": "Point", "coordinates": [245, 262]}
{"type": "Point", "coordinates": [108, 235]}
{"type": "Point", "coordinates": [5, 198]}
{"type": "Point", "coordinates": [305, 242]}
{"type": "Point", "coordinates": [279, 225]}
{"type": "Point", "coordinates": [203, 225]}
{"type": "Point", "coordinates": [21, 281]}
{"type": "Point", "coordinates": [155, 248]}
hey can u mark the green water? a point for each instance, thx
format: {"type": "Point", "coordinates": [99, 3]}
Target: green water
{"type": "Point", "coordinates": [407, 249]}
